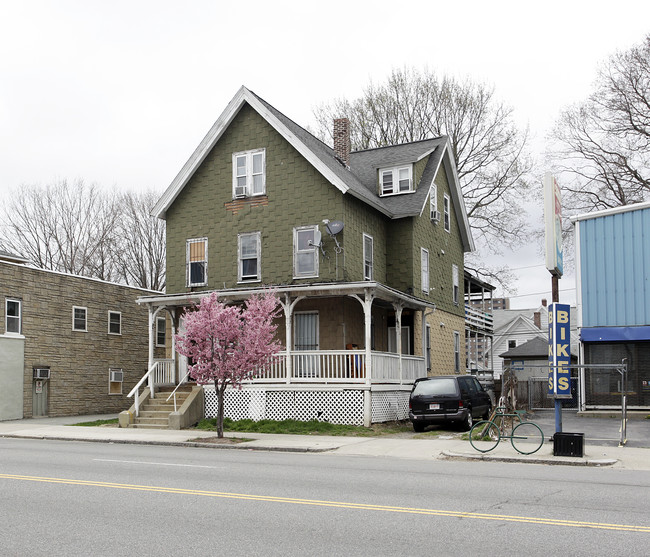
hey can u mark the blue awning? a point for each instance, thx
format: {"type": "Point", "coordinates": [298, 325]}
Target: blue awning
{"type": "Point", "coordinates": [615, 334]}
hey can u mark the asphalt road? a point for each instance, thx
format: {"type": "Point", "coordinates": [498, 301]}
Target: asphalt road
{"type": "Point", "coordinates": [77, 498]}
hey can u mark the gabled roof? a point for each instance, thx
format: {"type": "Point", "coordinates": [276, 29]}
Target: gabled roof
{"type": "Point", "coordinates": [359, 180]}
{"type": "Point", "coordinates": [536, 347]}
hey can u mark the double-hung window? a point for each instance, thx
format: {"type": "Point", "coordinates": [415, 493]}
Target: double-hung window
{"type": "Point", "coordinates": [161, 331]}
{"type": "Point", "coordinates": [446, 213]}
{"type": "Point", "coordinates": [424, 262]}
{"type": "Point", "coordinates": [456, 288]}
{"type": "Point", "coordinates": [249, 173]}
{"type": "Point", "coordinates": [197, 262]}
{"type": "Point", "coordinates": [305, 253]}
{"type": "Point", "coordinates": [79, 318]}
{"type": "Point", "coordinates": [456, 352]}
{"type": "Point", "coordinates": [114, 323]}
{"type": "Point", "coordinates": [367, 257]}
{"type": "Point", "coordinates": [434, 215]}
{"type": "Point", "coordinates": [13, 316]}
{"type": "Point", "coordinates": [249, 257]}
{"type": "Point", "coordinates": [396, 180]}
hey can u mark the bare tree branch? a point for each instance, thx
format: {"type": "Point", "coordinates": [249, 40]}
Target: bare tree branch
{"type": "Point", "coordinates": [490, 152]}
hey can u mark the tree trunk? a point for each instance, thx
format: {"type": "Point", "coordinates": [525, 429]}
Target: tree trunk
{"type": "Point", "coordinates": [220, 390]}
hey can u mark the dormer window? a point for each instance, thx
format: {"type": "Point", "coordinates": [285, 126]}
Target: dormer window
{"type": "Point", "coordinates": [248, 173]}
{"type": "Point", "coordinates": [396, 180]}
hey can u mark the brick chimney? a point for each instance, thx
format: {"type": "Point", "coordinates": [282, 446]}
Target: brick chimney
{"type": "Point", "coordinates": [342, 140]}
{"type": "Point", "coordinates": [537, 319]}
{"type": "Point", "coordinates": [544, 302]}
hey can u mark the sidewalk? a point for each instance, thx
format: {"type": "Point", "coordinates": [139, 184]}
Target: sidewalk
{"type": "Point", "coordinates": [436, 448]}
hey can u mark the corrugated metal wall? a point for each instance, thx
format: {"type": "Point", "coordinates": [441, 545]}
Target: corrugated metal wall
{"type": "Point", "coordinates": [615, 269]}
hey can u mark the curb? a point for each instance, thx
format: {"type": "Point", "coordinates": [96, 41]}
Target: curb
{"type": "Point", "coordinates": [531, 460]}
{"type": "Point", "coordinates": [241, 446]}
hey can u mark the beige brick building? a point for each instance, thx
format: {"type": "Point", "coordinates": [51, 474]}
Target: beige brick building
{"type": "Point", "coordinates": [69, 345]}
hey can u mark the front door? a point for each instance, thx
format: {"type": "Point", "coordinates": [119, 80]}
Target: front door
{"type": "Point", "coordinates": [306, 338]}
{"type": "Point", "coordinates": [39, 398]}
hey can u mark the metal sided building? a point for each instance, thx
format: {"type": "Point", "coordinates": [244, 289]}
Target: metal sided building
{"type": "Point", "coordinates": [613, 299]}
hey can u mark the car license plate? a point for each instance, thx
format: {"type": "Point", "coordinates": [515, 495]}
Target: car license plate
{"type": "Point", "coordinates": [434, 406]}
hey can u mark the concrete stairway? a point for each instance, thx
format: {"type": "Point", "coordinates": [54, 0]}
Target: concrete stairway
{"type": "Point", "coordinates": [154, 414]}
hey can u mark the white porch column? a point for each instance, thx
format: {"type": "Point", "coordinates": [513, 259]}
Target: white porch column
{"type": "Point", "coordinates": [398, 307]}
{"type": "Point", "coordinates": [177, 371]}
{"type": "Point", "coordinates": [425, 314]}
{"type": "Point", "coordinates": [367, 313]}
{"type": "Point", "coordinates": [151, 337]}
{"type": "Point", "coordinates": [287, 307]}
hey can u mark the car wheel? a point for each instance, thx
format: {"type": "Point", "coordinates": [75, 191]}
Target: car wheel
{"type": "Point", "coordinates": [418, 427]}
{"type": "Point", "coordinates": [468, 422]}
{"type": "Point", "coordinates": [488, 411]}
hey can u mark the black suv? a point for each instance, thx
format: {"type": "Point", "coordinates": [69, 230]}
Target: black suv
{"type": "Point", "coordinates": [454, 399]}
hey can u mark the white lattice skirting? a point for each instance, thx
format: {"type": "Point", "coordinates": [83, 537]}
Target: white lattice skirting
{"type": "Point", "coordinates": [337, 407]}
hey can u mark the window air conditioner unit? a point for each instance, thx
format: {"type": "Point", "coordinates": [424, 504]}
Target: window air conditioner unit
{"type": "Point", "coordinates": [435, 216]}
{"type": "Point", "coordinates": [240, 191]}
{"type": "Point", "coordinates": [117, 376]}
{"type": "Point", "coordinates": [41, 373]}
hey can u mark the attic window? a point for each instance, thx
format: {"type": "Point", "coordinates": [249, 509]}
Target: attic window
{"type": "Point", "coordinates": [248, 173]}
{"type": "Point", "coordinates": [396, 180]}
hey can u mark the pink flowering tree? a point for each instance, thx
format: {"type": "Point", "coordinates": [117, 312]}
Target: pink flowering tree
{"type": "Point", "coordinates": [229, 343]}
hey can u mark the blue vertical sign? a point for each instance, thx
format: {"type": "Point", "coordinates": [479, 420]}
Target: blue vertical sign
{"type": "Point", "coordinates": [559, 351]}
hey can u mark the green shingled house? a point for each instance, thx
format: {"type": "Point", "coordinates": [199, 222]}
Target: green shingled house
{"type": "Point", "coordinates": [364, 249]}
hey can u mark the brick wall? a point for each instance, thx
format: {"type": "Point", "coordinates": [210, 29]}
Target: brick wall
{"type": "Point", "coordinates": [79, 361]}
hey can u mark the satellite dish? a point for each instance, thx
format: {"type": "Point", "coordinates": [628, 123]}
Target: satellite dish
{"type": "Point", "coordinates": [317, 237]}
{"type": "Point", "coordinates": [334, 227]}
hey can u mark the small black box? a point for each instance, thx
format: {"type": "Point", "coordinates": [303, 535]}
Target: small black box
{"type": "Point", "coordinates": [569, 444]}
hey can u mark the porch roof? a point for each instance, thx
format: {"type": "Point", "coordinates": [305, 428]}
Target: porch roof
{"type": "Point", "coordinates": [312, 290]}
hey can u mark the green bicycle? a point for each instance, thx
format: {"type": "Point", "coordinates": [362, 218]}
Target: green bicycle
{"type": "Point", "coordinates": [526, 437]}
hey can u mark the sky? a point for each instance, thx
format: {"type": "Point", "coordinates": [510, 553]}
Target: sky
{"type": "Point", "coordinates": [120, 93]}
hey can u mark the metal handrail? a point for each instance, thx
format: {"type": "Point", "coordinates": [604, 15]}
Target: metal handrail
{"type": "Point", "coordinates": [174, 391]}
{"type": "Point", "coordinates": [136, 389]}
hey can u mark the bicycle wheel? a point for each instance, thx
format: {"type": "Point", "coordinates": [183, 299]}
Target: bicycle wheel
{"type": "Point", "coordinates": [484, 436]}
{"type": "Point", "coordinates": [527, 438]}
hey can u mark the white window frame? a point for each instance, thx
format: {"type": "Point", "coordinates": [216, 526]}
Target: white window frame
{"type": "Point", "coordinates": [455, 285]}
{"type": "Point", "coordinates": [434, 215]}
{"type": "Point", "coordinates": [240, 258]}
{"type": "Point", "coordinates": [13, 318]}
{"type": "Point", "coordinates": [247, 188]}
{"type": "Point", "coordinates": [368, 257]}
{"type": "Point", "coordinates": [85, 310]}
{"type": "Point", "coordinates": [119, 314]}
{"type": "Point", "coordinates": [456, 352]}
{"type": "Point", "coordinates": [447, 218]}
{"type": "Point", "coordinates": [297, 252]}
{"type": "Point", "coordinates": [188, 263]}
{"type": "Point", "coordinates": [162, 320]}
{"type": "Point", "coordinates": [424, 269]}
{"type": "Point", "coordinates": [395, 178]}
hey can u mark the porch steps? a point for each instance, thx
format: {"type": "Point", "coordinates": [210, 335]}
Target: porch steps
{"type": "Point", "coordinates": [154, 414]}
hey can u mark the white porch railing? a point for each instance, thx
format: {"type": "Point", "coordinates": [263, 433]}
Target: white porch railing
{"type": "Point", "coordinates": [479, 319]}
{"type": "Point", "coordinates": [317, 366]}
{"type": "Point", "coordinates": [343, 366]}
{"type": "Point", "coordinates": [310, 366]}
{"type": "Point", "coordinates": [160, 373]}
{"type": "Point", "coordinates": [385, 367]}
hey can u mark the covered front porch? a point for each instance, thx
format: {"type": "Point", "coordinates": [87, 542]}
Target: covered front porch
{"type": "Point", "coordinates": [341, 337]}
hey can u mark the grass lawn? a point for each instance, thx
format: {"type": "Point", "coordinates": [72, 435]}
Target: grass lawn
{"type": "Point", "coordinates": [97, 423]}
{"type": "Point", "coordinates": [313, 427]}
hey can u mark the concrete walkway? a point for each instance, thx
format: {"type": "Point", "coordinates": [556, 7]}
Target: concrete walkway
{"type": "Point", "coordinates": [435, 448]}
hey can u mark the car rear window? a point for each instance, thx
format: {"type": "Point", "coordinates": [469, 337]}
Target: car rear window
{"type": "Point", "coordinates": [436, 387]}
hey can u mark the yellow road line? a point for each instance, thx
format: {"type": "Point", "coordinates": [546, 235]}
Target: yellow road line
{"type": "Point", "coordinates": [336, 504]}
